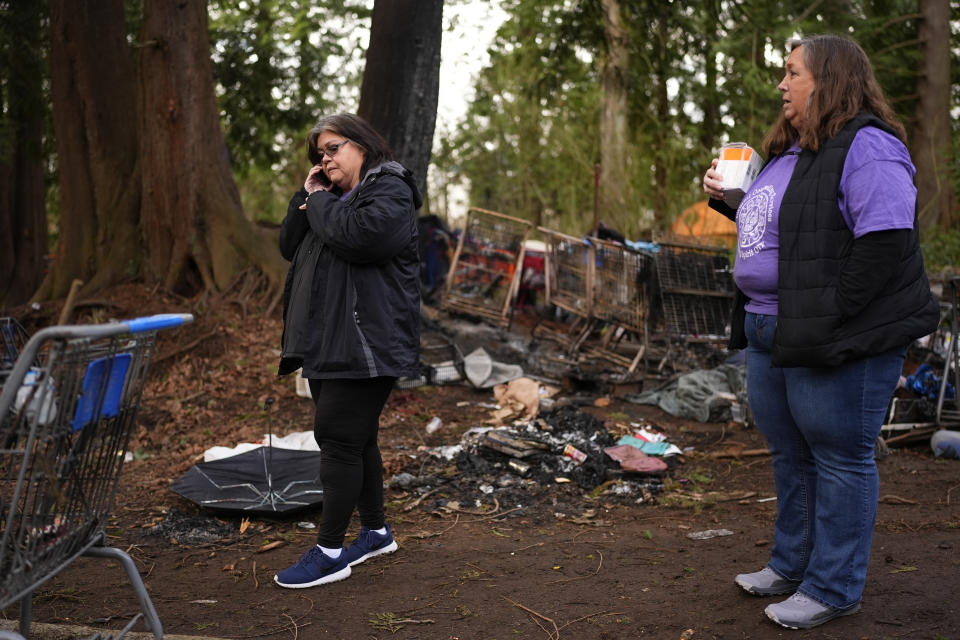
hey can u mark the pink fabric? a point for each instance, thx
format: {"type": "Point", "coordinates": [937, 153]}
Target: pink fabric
{"type": "Point", "coordinates": [632, 459]}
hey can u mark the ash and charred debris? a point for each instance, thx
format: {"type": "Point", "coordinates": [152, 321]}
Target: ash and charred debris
{"type": "Point", "coordinates": [562, 446]}
{"type": "Point", "coordinates": [191, 530]}
{"type": "Point", "coordinates": [540, 445]}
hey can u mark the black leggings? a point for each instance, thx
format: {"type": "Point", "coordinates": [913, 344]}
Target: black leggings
{"type": "Point", "coordinates": [351, 470]}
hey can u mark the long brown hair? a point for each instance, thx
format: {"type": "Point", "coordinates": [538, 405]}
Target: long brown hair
{"type": "Point", "coordinates": [844, 86]}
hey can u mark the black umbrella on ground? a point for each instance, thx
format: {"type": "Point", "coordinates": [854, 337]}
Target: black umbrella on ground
{"type": "Point", "coordinates": [266, 480]}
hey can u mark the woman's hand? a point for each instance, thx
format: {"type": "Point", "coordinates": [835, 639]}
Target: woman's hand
{"type": "Point", "coordinates": [316, 180]}
{"type": "Point", "coordinates": [713, 181]}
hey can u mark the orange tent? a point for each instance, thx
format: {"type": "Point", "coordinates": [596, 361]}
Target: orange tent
{"type": "Point", "coordinates": [703, 225]}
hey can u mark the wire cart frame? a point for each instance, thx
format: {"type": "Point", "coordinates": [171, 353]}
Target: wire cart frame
{"type": "Point", "coordinates": [696, 287]}
{"type": "Point", "coordinates": [13, 337]}
{"type": "Point", "coordinates": [621, 297]}
{"type": "Point", "coordinates": [696, 293]}
{"type": "Point", "coordinates": [64, 429]}
{"type": "Point", "coordinates": [569, 271]}
{"type": "Point", "coordinates": [486, 268]}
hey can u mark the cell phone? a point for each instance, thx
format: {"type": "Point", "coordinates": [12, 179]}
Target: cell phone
{"type": "Point", "coordinates": [323, 178]}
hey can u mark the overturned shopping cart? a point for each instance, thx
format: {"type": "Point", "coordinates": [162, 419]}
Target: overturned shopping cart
{"type": "Point", "coordinates": [67, 409]}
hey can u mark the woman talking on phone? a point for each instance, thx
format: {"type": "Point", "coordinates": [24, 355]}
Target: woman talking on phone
{"type": "Point", "coordinates": [351, 321]}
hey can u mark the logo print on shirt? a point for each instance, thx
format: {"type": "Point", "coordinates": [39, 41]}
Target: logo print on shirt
{"type": "Point", "coordinates": [752, 218]}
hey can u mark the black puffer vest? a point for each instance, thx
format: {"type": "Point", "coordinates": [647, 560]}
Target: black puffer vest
{"type": "Point", "coordinates": [815, 242]}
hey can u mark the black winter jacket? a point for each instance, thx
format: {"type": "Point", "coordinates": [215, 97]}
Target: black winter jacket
{"type": "Point", "coordinates": [815, 325]}
{"type": "Point", "coordinates": [352, 296]}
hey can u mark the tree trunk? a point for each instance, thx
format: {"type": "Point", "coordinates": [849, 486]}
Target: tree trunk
{"type": "Point", "coordinates": [615, 196]}
{"type": "Point", "coordinates": [932, 135]}
{"type": "Point", "coordinates": [711, 103]}
{"type": "Point", "coordinates": [192, 220]}
{"type": "Point", "coordinates": [94, 118]}
{"type": "Point", "coordinates": [661, 186]}
{"type": "Point", "coordinates": [401, 80]}
{"type": "Point", "coordinates": [23, 245]}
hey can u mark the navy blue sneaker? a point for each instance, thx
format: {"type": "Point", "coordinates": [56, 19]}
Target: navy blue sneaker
{"type": "Point", "coordinates": [368, 544]}
{"type": "Point", "coordinates": [314, 568]}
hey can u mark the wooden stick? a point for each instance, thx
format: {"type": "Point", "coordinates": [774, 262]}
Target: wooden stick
{"type": "Point", "coordinates": [738, 454]}
{"type": "Point", "coordinates": [269, 547]}
{"type": "Point", "coordinates": [562, 580]}
{"type": "Point", "coordinates": [592, 615]}
{"type": "Point", "coordinates": [67, 309]}
{"type": "Point", "coordinates": [556, 631]}
{"type": "Point", "coordinates": [916, 433]}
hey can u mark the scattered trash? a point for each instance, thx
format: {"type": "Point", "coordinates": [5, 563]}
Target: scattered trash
{"type": "Point", "coordinates": [518, 399]}
{"type": "Point", "coordinates": [521, 468]}
{"type": "Point", "coordinates": [925, 383]}
{"type": "Point", "coordinates": [649, 448]}
{"type": "Point", "coordinates": [299, 440]}
{"type": "Point", "coordinates": [407, 481]}
{"type": "Point", "coordinates": [434, 425]}
{"type": "Point", "coordinates": [306, 525]}
{"type": "Point", "coordinates": [572, 452]}
{"type": "Point", "coordinates": [483, 372]}
{"type": "Point", "coordinates": [633, 459]}
{"type": "Point", "coordinates": [37, 397]}
{"type": "Point", "coordinates": [703, 395]}
{"type": "Point", "coordinates": [709, 533]}
{"type": "Point", "coordinates": [511, 443]}
{"type": "Point", "coordinates": [946, 444]}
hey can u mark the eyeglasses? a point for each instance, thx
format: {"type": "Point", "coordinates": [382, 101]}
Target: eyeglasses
{"type": "Point", "coordinates": [331, 149]}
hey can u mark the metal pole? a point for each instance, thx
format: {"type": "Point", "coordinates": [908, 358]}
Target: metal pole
{"type": "Point", "coordinates": [596, 199]}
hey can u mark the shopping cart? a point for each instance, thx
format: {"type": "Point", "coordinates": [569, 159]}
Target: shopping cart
{"type": "Point", "coordinates": [67, 409]}
{"type": "Point", "coordinates": [12, 339]}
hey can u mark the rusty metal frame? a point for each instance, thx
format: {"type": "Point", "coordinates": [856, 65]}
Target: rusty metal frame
{"type": "Point", "coordinates": [484, 270]}
{"type": "Point", "coordinates": [620, 299]}
{"type": "Point", "coordinates": [568, 259]}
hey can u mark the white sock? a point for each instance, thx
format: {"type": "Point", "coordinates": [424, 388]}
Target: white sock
{"type": "Point", "coordinates": [381, 531]}
{"type": "Point", "coordinates": [331, 553]}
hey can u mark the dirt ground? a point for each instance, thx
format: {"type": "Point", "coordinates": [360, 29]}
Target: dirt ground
{"type": "Point", "coordinates": [482, 555]}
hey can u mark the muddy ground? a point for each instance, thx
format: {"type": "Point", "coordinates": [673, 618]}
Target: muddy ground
{"type": "Point", "coordinates": [487, 555]}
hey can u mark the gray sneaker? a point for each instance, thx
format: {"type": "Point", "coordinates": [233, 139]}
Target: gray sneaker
{"type": "Point", "coordinates": [765, 582]}
{"type": "Point", "coordinates": [800, 612]}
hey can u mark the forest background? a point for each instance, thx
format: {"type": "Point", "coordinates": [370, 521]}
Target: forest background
{"type": "Point", "coordinates": [160, 142]}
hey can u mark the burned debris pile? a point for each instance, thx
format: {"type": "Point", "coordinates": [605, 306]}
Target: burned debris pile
{"type": "Point", "coordinates": [561, 450]}
{"type": "Point", "coordinates": [563, 444]}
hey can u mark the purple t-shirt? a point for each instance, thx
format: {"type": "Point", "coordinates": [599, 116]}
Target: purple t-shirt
{"type": "Point", "coordinates": [876, 194]}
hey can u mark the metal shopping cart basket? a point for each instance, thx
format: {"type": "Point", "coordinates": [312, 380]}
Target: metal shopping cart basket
{"type": "Point", "coordinates": [13, 337]}
{"type": "Point", "coordinates": [67, 409]}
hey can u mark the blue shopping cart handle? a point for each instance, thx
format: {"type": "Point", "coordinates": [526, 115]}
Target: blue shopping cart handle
{"type": "Point", "coordinates": [159, 321]}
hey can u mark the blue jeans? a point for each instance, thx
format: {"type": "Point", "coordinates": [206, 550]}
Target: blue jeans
{"type": "Point", "coordinates": [821, 425]}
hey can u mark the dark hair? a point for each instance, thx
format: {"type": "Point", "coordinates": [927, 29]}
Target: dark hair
{"type": "Point", "coordinates": [375, 149]}
{"type": "Point", "coordinates": [844, 86]}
